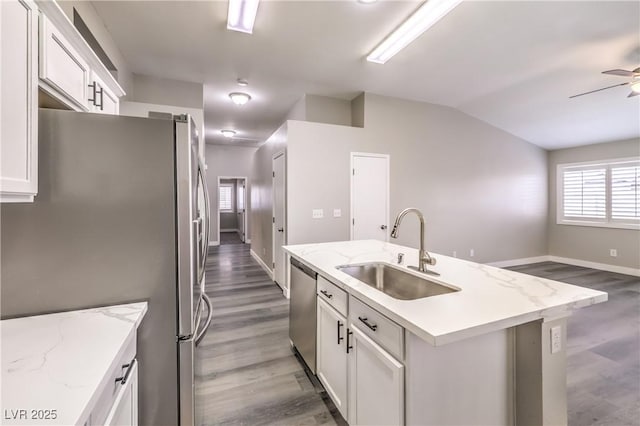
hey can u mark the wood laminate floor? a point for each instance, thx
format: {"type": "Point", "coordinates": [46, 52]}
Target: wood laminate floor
{"type": "Point", "coordinates": [230, 238]}
{"type": "Point", "coordinates": [246, 373]}
{"type": "Point", "coordinates": [603, 347]}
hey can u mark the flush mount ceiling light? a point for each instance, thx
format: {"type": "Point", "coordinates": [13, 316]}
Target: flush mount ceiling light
{"type": "Point", "coordinates": [367, 1]}
{"type": "Point", "coordinates": [635, 87]}
{"type": "Point", "coordinates": [421, 20]}
{"type": "Point", "coordinates": [242, 82]}
{"type": "Point", "coordinates": [228, 133]}
{"type": "Point", "coordinates": [242, 15]}
{"type": "Point", "coordinates": [239, 98]}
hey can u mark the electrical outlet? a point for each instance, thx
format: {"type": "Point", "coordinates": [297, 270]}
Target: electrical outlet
{"type": "Point", "coordinates": [337, 213]}
{"type": "Point", "coordinates": [556, 339]}
{"type": "Point", "coordinates": [613, 252]}
{"type": "Point", "coordinates": [472, 253]}
{"type": "Point", "coordinates": [317, 213]}
{"type": "Point", "coordinates": [455, 253]}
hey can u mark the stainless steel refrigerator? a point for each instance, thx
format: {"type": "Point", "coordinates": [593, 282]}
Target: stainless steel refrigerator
{"type": "Point", "coordinates": [121, 215]}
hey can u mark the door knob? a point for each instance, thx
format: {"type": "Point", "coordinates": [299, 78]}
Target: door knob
{"type": "Point", "coordinates": [383, 227]}
{"type": "Point", "coordinates": [280, 229]}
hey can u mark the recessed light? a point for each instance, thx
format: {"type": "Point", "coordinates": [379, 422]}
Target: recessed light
{"type": "Point", "coordinates": [228, 133]}
{"type": "Point", "coordinates": [422, 19]}
{"type": "Point", "coordinates": [242, 82]}
{"type": "Point", "coordinates": [239, 98]}
{"type": "Point", "coordinates": [242, 15]}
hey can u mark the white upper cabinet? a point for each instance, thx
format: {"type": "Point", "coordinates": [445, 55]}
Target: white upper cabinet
{"type": "Point", "coordinates": [63, 72]}
{"type": "Point", "coordinates": [18, 101]}
{"type": "Point", "coordinates": [101, 98]}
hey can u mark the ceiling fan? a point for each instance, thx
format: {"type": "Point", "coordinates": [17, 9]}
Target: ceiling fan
{"type": "Point", "coordinates": [634, 82]}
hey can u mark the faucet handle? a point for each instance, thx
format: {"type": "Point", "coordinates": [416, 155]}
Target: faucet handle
{"type": "Point", "coordinates": [400, 258]}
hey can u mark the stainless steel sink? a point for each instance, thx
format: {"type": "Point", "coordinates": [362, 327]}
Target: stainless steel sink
{"type": "Point", "coordinates": [394, 281]}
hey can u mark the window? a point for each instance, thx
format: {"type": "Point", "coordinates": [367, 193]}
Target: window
{"type": "Point", "coordinates": [225, 198]}
{"type": "Point", "coordinates": [600, 194]}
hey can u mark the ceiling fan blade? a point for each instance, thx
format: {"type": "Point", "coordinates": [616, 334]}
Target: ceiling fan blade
{"type": "Point", "coordinates": [632, 94]}
{"type": "Point", "coordinates": [623, 73]}
{"type": "Point", "coordinates": [598, 90]}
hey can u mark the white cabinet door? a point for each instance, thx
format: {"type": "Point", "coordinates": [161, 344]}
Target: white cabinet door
{"type": "Point", "coordinates": [125, 407]}
{"type": "Point", "coordinates": [101, 99]}
{"type": "Point", "coordinates": [63, 72]}
{"type": "Point", "coordinates": [332, 354]}
{"type": "Point", "coordinates": [18, 100]}
{"type": "Point", "coordinates": [376, 383]}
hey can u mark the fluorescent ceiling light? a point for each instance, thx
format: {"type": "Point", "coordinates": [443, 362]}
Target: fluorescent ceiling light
{"type": "Point", "coordinates": [239, 98]}
{"type": "Point", "coordinates": [242, 15]}
{"type": "Point", "coordinates": [228, 133]}
{"type": "Point", "coordinates": [421, 20]}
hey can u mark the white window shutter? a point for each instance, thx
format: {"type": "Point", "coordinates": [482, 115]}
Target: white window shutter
{"type": "Point", "coordinates": [224, 200]}
{"type": "Point", "coordinates": [625, 192]}
{"type": "Point", "coordinates": [584, 193]}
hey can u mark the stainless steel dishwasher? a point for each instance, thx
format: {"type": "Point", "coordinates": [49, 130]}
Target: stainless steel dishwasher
{"type": "Point", "coordinates": [302, 312]}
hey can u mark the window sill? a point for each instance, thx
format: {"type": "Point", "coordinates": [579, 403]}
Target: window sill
{"type": "Point", "coordinates": [613, 225]}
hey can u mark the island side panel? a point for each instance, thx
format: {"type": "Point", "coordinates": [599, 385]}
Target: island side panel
{"type": "Point", "coordinates": [541, 376]}
{"type": "Point", "coordinates": [466, 382]}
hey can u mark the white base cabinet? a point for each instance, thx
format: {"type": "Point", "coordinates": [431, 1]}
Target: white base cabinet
{"type": "Point", "coordinates": [18, 101]}
{"type": "Point", "coordinates": [331, 365]}
{"type": "Point", "coordinates": [376, 383]}
{"type": "Point", "coordinates": [125, 407]}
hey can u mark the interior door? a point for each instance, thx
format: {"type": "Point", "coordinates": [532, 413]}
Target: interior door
{"type": "Point", "coordinates": [279, 231]}
{"type": "Point", "coordinates": [369, 197]}
{"type": "Point", "coordinates": [240, 207]}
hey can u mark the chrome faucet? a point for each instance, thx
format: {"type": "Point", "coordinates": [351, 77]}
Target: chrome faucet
{"type": "Point", "coordinates": [424, 258]}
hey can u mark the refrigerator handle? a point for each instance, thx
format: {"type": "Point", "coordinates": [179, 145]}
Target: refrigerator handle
{"type": "Point", "coordinates": [207, 212]}
{"type": "Point", "coordinates": [200, 335]}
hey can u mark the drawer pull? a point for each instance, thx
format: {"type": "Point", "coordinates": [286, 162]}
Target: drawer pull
{"type": "Point", "coordinates": [340, 338]}
{"type": "Point", "coordinates": [349, 333]}
{"type": "Point", "coordinates": [129, 367]}
{"type": "Point", "coordinates": [326, 293]}
{"type": "Point", "coordinates": [373, 327]}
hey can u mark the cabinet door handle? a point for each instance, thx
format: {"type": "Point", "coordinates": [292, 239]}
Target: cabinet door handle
{"type": "Point", "coordinates": [129, 367]}
{"type": "Point", "coordinates": [349, 333]}
{"type": "Point", "coordinates": [326, 293]}
{"type": "Point", "coordinates": [93, 88]}
{"type": "Point", "coordinates": [101, 104]}
{"type": "Point", "coordinates": [340, 338]}
{"type": "Point", "coordinates": [364, 320]}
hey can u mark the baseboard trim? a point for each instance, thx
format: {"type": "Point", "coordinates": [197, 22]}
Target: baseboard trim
{"type": "Point", "coordinates": [248, 241]}
{"type": "Point", "coordinates": [595, 265]}
{"type": "Point", "coordinates": [261, 263]}
{"type": "Point", "coordinates": [214, 243]}
{"type": "Point", "coordinates": [569, 261]}
{"type": "Point", "coordinates": [229, 230]}
{"type": "Point", "coordinates": [518, 262]}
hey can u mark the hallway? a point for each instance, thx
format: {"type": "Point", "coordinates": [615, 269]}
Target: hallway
{"type": "Point", "coordinates": [245, 370]}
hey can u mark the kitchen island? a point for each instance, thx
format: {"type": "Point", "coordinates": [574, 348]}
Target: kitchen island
{"type": "Point", "coordinates": [492, 352]}
{"type": "Point", "coordinates": [75, 367]}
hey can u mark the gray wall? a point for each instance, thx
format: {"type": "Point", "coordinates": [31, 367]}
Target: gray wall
{"type": "Point", "coordinates": [479, 187]}
{"type": "Point", "coordinates": [223, 160]}
{"type": "Point", "coordinates": [321, 109]}
{"type": "Point", "coordinates": [584, 242]}
{"type": "Point", "coordinates": [262, 195]}
{"type": "Point", "coordinates": [155, 90]}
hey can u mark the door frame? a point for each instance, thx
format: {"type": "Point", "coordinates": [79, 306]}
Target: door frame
{"type": "Point", "coordinates": [285, 285]}
{"type": "Point", "coordinates": [246, 185]}
{"type": "Point", "coordinates": [387, 189]}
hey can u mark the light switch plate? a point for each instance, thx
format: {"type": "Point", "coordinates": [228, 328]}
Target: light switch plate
{"type": "Point", "coordinates": [317, 214]}
{"type": "Point", "coordinates": [556, 339]}
{"type": "Point", "coordinates": [337, 212]}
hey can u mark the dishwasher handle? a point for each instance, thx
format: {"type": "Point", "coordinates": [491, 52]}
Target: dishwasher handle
{"type": "Point", "coordinates": [304, 268]}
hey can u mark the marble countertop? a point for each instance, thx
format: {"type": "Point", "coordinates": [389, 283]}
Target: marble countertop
{"type": "Point", "coordinates": [489, 299]}
{"type": "Point", "coordinates": [58, 361]}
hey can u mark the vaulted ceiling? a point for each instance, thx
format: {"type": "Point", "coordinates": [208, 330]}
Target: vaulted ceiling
{"type": "Point", "coordinates": [513, 64]}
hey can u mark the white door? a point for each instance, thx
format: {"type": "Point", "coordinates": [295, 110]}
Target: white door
{"type": "Point", "coordinates": [376, 383]}
{"type": "Point", "coordinates": [240, 207]}
{"type": "Point", "coordinates": [279, 231]}
{"type": "Point", "coordinates": [332, 354]}
{"type": "Point", "coordinates": [369, 196]}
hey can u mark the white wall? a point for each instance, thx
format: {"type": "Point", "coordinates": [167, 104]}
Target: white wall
{"type": "Point", "coordinates": [589, 243]}
{"type": "Point", "coordinates": [230, 161]}
{"type": "Point", "coordinates": [479, 187]}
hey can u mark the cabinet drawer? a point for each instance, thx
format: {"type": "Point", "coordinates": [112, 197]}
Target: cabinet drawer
{"type": "Point", "coordinates": [110, 392]}
{"type": "Point", "coordinates": [64, 73]}
{"type": "Point", "coordinates": [381, 329]}
{"type": "Point", "coordinates": [333, 295]}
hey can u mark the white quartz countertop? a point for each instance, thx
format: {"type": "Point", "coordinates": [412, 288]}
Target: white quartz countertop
{"type": "Point", "coordinates": [58, 361]}
{"type": "Point", "coordinates": [489, 299]}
